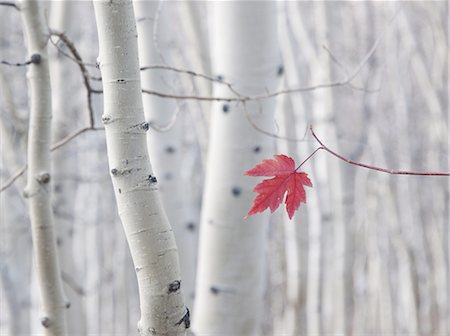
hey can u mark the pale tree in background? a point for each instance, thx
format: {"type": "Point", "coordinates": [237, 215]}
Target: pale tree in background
{"type": "Point", "coordinates": [38, 189]}
{"type": "Point", "coordinates": [64, 163]}
{"type": "Point", "coordinates": [230, 278]}
{"type": "Point", "coordinates": [165, 136]}
{"type": "Point", "coordinates": [148, 231]}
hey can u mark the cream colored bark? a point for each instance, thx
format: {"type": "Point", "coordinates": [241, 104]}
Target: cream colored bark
{"type": "Point", "coordinates": [230, 278]}
{"type": "Point", "coordinates": [148, 231]}
{"type": "Point", "coordinates": [38, 188]}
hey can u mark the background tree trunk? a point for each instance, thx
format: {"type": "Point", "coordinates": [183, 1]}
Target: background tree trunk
{"type": "Point", "coordinates": [230, 278]}
{"type": "Point", "coordinates": [166, 134]}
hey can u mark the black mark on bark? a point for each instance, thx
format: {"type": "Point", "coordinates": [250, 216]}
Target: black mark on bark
{"type": "Point", "coordinates": [214, 290]}
{"type": "Point", "coordinates": [106, 119]}
{"type": "Point", "coordinates": [43, 178]}
{"type": "Point", "coordinates": [236, 191]}
{"type": "Point", "coordinates": [280, 70]}
{"type": "Point", "coordinates": [186, 319]}
{"type": "Point", "coordinates": [174, 286]}
{"type": "Point", "coordinates": [35, 59]}
{"type": "Point", "coordinates": [45, 321]}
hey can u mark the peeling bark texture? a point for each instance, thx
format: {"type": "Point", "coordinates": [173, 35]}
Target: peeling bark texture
{"type": "Point", "coordinates": [148, 231]}
{"type": "Point", "coordinates": [38, 187]}
{"type": "Point", "coordinates": [231, 273]}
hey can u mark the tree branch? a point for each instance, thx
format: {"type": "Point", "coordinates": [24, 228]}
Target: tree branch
{"type": "Point", "coordinates": [10, 4]}
{"type": "Point", "coordinates": [55, 146]}
{"type": "Point", "coordinates": [383, 170]}
{"type": "Point", "coordinates": [84, 72]}
{"type": "Point", "coordinates": [34, 59]}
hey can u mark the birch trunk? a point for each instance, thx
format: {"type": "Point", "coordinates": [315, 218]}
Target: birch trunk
{"type": "Point", "coordinates": [38, 188]}
{"type": "Point", "coordinates": [148, 231]}
{"type": "Point", "coordinates": [230, 278]}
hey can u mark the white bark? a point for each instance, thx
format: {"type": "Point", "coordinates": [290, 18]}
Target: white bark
{"type": "Point", "coordinates": [230, 278]}
{"type": "Point", "coordinates": [148, 231]}
{"type": "Point", "coordinates": [38, 187]}
{"type": "Point", "coordinates": [64, 161]}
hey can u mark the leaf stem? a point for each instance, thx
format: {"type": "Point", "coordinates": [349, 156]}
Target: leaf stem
{"type": "Point", "coordinates": [310, 156]}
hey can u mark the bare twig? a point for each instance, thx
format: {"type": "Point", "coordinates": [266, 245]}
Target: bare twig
{"type": "Point", "coordinates": [193, 74]}
{"type": "Point", "coordinates": [34, 59]}
{"type": "Point", "coordinates": [345, 70]}
{"type": "Point", "coordinates": [267, 95]}
{"type": "Point", "coordinates": [70, 281]}
{"type": "Point", "coordinates": [16, 64]}
{"type": "Point", "coordinates": [86, 64]}
{"type": "Point", "coordinates": [84, 72]}
{"type": "Point", "coordinates": [10, 4]}
{"type": "Point", "coordinates": [70, 137]}
{"type": "Point", "coordinates": [13, 178]}
{"type": "Point", "coordinates": [164, 128]}
{"type": "Point", "coordinates": [259, 129]}
{"type": "Point", "coordinates": [384, 170]}
{"type": "Point", "coordinates": [55, 146]}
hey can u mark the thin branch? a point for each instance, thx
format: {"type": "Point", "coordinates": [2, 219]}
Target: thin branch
{"type": "Point", "coordinates": [384, 170]}
{"type": "Point", "coordinates": [193, 74]}
{"type": "Point", "coordinates": [86, 64]}
{"type": "Point", "coordinates": [84, 72]}
{"type": "Point", "coordinates": [54, 147]}
{"type": "Point", "coordinates": [68, 138]}
{"type": "Point", "coordinates": [10, 4]}
{"type": "Point", "coordinates": [345, 70]}
{"type": "Point", "coordinates": [34, 59]}
{"type": "Point", "coordinates": [16, 64]}
{"type": "Point", "coordinates": [70, 281]}
{"type": "Point", "coordinates": [164, 128]}
{"type": "Point", "coordinates": [242, 98]}
{"type": "Point", "coordinates": [259, 129]}
{"type": "Point", "coordinates": [13, 178]}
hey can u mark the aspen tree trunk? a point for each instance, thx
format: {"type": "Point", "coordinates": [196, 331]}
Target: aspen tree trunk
{"type": "Point", "coordinates": [64, 161]}
{"type": "Point", "coordinates": [38, 188]}
{"type": "Point", "coordinates": [148, 231]}
{"type": "Point", "coordinates": [230, 278]}
{"type": "Point", "coordinates": [327, 174]}
{"type": "Point", "coordinates": [166, 147]}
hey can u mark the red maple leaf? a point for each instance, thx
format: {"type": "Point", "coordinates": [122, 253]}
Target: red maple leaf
{"type": "Point", "coordinates": [271, 191]}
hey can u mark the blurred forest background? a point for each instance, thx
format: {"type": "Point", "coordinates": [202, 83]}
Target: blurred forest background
{"type": "Point", "coordinates": [368, 254]}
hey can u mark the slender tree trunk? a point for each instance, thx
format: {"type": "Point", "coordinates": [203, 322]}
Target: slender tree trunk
{"type": "Point", "coordinates": [64, 161]}
{"type": "Point", "coordinates": [148, 231]}
{"type": "Point", "coordinates": [230, 278]}
{"type": "Point", "coordinates": [38, 188]}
